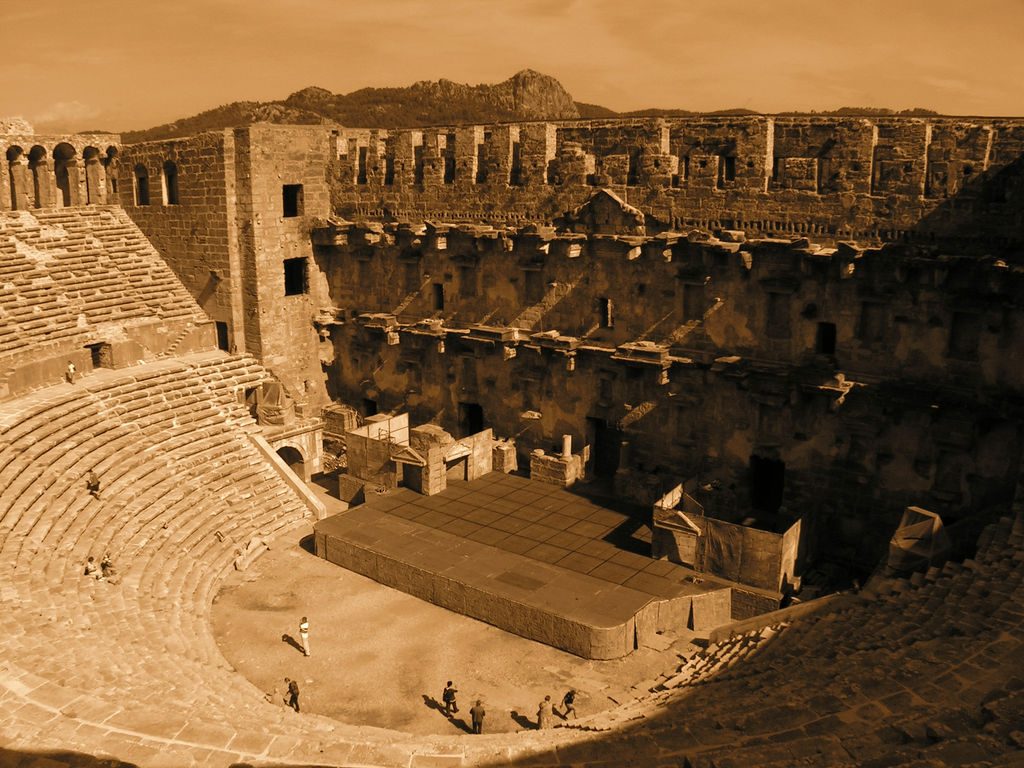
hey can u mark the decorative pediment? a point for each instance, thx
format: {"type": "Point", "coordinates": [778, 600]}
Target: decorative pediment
{"type": "Point", "coordinates": [605, 213]}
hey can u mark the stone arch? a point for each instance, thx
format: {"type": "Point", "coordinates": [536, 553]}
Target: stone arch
{"type": "Point", "coordinates": [169, 182]}
{"type": "Point", "coordinates": [141, 175]}
{"type": "Point", "coordinates": [39, 165]}
{"type": "Point", "coordinates": [65, 171]}
{"type": "Point", "coordinates": [293, 457]}
{"type": "Point", "coordinates": [93, 182]}
{"type": "Point", "coordinates": [111, 165]}
{"type": "Point", "coordinates": [17, 173]}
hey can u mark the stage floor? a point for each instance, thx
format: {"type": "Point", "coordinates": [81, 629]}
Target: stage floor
{"type": "Point", "coordinates": [545, 523]}
{"type": "Point", "coordinates": [525, 556]}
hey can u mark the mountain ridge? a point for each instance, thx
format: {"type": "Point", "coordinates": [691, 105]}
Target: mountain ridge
{"type": "Point", "coordinates": [527, 95]}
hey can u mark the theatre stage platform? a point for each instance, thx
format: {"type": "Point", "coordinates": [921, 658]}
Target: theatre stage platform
{"type": "Point", "coordinates": [527, 557]}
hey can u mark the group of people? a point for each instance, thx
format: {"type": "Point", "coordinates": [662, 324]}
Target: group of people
{"type": "Point", "coordinates": [545, 712]}
{"type": "Point", "coordinates": [102, 571]}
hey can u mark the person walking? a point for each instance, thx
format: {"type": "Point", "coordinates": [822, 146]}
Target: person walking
{"type": "Point", "coordinates": [293, 693]}
{"type": "Point", "coordinates": [544, 714]}
{"type": "Point", "coordinates": [448, 697]}
{"type": "Point", "coordinates": [568, 705]}
{"type": "Point", "coordinates": [304, 634]}
{"type": "Point", "coordinates": [477, 713]}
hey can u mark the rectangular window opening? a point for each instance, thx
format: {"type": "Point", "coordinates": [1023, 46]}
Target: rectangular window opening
{"type": "Point", "coordinates": [417, 164]}
{"type": "Point", "coordinates": [515, 173]}
{"type": "Point", "coordinates": [222, 336]}
{"type": "Point", "coordinates": [481, 164]}
{"type": "Point", "coordinates": [825, 341]}
{"type": "Point", "coordinates": [296, 279]}
{"type": "Point", "coordinates": [361, 171]}
{"type": "Point", "coordinates": [438, 297]}
{"type": "Point", "coordinates": [292, 200]}
{"type": "Point", "coordinates": [449, 159]}
{"type": "Point", "coordinates": [604, 311]}
{"type": "Point", "coordinates": [726, 169]}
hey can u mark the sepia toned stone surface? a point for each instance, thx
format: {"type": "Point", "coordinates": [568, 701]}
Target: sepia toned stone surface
{"type": "Point", "coordinates": [813, 319]}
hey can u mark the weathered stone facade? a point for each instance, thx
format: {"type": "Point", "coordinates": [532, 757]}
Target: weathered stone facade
{"type": "Point", "coordinates": [872, 180]}
{"type": "Point", "coordinates": [236, 231]}
{"type": "Point", "coordinates": [706, 315]}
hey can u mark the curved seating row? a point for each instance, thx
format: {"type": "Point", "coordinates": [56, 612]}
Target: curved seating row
{"type": "Point", "coordinates": [908, 672]}
{"type": "Point", "coordinates": [67, 271]}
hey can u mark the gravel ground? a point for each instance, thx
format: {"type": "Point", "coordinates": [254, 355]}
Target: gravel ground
{"type": "Point", "coordinates": [381, 657]}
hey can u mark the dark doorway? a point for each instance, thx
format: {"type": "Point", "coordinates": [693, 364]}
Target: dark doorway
{"type": "Point", "coordinates": [471, 419]}
{"type": "Point", "coordinates": [252, 400]}
{"type": "Point", "coordinates": [767, 479]}
{"type": "Point", "coordinates": [825, 342]}
{"type": "Point", "coordinates": [222, 336]}
{"type": "Point", "coordinates": [102, 355]}
{"type": "Point", "coordinates": [369, 407]}
{"type": "Point", "coordinates": [438, 296]}
{"type": "Point", "coordinates": [605, 444]}
{"type": "Point", "coordinates": [293, 458]}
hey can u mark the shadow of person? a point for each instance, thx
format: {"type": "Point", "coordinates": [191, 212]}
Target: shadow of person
{"type": "Point", "coordinates": [433, 703]}
{"type": "Point", "coordinates": [293, 643]}
{"type": "Point", "coordinates": [523, 721]}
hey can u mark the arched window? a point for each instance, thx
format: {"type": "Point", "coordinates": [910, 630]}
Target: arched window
{"type": "Point", "coordinates": [111, 164]}
{"type": "Point", "coordinates": [169, 181]}
{"type": "Point", "coordinates": [65, 170]}
{"type": "Point", "coordinates": [93, 188]}
{"type": "Point", "coordinates": [39, 165]}
{"type": "Point", "coordinates": [17, 171]}
{"type": "Point", "coordinates": [141, 185]}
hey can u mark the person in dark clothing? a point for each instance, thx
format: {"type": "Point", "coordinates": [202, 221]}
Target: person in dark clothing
{"type": "Point", "coordinates": [477, 714]}
{"type": "Point", "coordinates": [448, 697]}
{"type": "Point", "coordinates": [92, 483]}
{"type": "Point", "coordinates": [568, 705]}
{"type": "Point", "coordinates": [293, 693]}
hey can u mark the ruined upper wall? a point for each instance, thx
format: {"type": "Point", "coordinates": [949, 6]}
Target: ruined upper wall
{"type": "Point", "coordinates": [56, 171]}
{"type": "Point", "coordinates": [873, 180]}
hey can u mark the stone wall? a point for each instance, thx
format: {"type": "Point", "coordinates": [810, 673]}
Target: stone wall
{"type": "Point", "coordinates": [195, 233]}
{"type": "Point", "coordinates": [234, 226]}
{"type": "Point", "coordinates": [835, 178]}
{"type": "Point", "coordinates": [57, 171]}
{"type": "Point", "coordinates": [868, 379]}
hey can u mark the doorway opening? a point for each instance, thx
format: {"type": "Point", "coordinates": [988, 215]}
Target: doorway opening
{"type": "Point", "coordinates": [471, 419]}
{"type": "Point", "coordinates": [606, 443]}
{"type": "Point", "coordinates": [767, 480]}
{"type": "Point", "coordinates": [102, 355]}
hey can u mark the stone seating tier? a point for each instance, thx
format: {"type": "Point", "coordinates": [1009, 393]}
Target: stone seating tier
{"type": "Point", "coordinates": [67, 272]}
{"type": "Point", "coordinates": [182, 490]}
{"type": "Point", "coordinates": [916, 671]}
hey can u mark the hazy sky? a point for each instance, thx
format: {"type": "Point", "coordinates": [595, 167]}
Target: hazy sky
{"type": "Point", "coordinates": [125, 64]}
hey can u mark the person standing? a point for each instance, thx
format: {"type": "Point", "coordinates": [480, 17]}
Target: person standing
{"type": "Point", "coordinates": [477, 714]}
{"type": "Point", "coordinates": [293, 693]}
{"type": "Point", "coordinates": [448, 697]}
{"type": "Point", "coordinates": [544, 715]}
{"type": "Point", "coordinates": [304, 634]}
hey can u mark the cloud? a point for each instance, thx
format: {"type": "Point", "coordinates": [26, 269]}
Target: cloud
{"type": "Point", "coordinates": [66, 112]}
